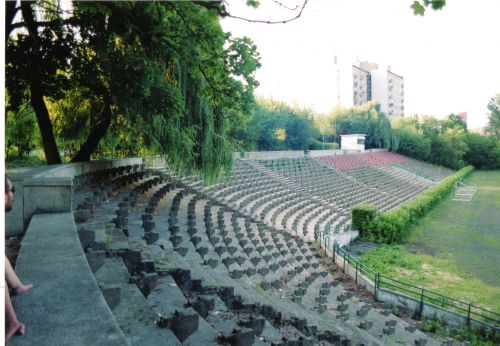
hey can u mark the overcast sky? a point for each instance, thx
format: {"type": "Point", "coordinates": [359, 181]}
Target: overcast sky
{"type": "Point", "coordinates": [450, 59]}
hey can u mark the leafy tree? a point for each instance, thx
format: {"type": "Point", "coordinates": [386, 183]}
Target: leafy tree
{"type": "Point", "coordinates": [413, 144]}
{"type": "Point", "coordinates": [272, 118]}
{"type": "Point", "coordinates": [166, 69]}
{"type": "Point", "coordinates": [453, 121]}
{"type": "Point", "coordinates": [21, 133]}
{"type": "Point", "coordinates": [483, 152]}
{"type": "Point", "coordinates": [269, 117]}
{"type": "Point", "coordinates": [493, 126]}
{"type": "Point", "coordinates": [300, 130]}
{"type": "Point", "coordinates": [410, 123]}
{"type": "Point", "coordinates": [366, 119]}
{"type": "Point", "coordinates": [448, 149]}
{"type": "Point", "coordinates": [430, 126]}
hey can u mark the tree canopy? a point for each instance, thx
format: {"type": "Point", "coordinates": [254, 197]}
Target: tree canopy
{"type": "Point", "coordinates": [274, 125]}
{"type": "Point", "coordinates": [165, 71]}
{"type": "Point", "coordinates": [365, 119]}
{"type": "Point", "coordinates": [493, 126]}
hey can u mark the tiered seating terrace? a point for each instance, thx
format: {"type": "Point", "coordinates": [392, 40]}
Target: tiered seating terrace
{"type": "Point", "coordinates": [183, 264]}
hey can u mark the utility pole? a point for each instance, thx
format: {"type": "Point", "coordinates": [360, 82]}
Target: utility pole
{"type": "Point", "coordinates": [338, 81]}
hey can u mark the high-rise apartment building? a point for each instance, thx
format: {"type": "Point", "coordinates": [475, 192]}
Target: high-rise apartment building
{"type": "Point", "coordinates": [361, 86]}
{"type": "Point", "coordinates": [395, 95]}
{"type": "Point", "coordinates": [369, 82]}
{"type": "Point", "coordinates": [388, 90]}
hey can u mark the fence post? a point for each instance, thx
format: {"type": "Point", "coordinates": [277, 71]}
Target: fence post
{"type": "Point", "coordinates": [377, 284]}
{"type": "Point", "coordinates": [356, 273]}
{"type": "Point", "coordinates": [334, 251]}
{"type": "Point", "coordinates": [344, 260]}
{"type": "Point", "coordinates": [421, 303]}
{"type": "Point", "coordinates": [468, 315]}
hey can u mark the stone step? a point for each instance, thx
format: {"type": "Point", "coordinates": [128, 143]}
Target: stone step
{"type": "Point", "coordinates": [168, 301]}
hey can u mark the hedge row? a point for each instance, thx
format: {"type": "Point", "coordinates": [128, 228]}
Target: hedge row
{"type": "Point", "coordinates": [391, 227]}
{"type": "Point", "coordinates": [362, 215]}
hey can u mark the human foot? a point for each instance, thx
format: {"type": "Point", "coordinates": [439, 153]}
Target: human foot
{"type": "Point", "coordinates": [14, 328]}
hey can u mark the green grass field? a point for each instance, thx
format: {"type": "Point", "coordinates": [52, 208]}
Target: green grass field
{"type": "Point", "coordinates": [455, 249]}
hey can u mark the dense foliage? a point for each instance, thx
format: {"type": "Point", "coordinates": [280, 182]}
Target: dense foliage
{"type": "Point", "coordinates": [365, 119]}
{"type": "Point", "coordinates": [445, 142]}
{"type": "Point", "coordinates": [277, 126]}
{"type": "Point", "coordinates": [391, 227]}
{"type": "Point", "coordinates": [159, 75]}
{"type": "Point", "coordinates": [493, 127]}
{"type": "Point", "coordinates": [22, 135]}
{"type": "Point", "coordinates": [362, 215]}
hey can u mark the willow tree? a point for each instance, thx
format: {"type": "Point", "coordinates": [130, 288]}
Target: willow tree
{"type": "Point", "coordinates": [165, 69]}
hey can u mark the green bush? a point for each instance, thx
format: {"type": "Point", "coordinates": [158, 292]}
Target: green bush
{"type": "Point", "coordinates": [361, 216]}
{"type": "Point", "coordinates": [391, 227]}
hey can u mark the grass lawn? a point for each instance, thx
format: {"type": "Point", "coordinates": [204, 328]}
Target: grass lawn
{"type": "Point", "coordinates": [455, 249]}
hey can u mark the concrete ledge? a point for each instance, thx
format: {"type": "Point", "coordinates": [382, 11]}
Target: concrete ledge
{"type": "Point", "coordinates": [48, 189]}
{"type": "Point", "coordinates": [65, 306]}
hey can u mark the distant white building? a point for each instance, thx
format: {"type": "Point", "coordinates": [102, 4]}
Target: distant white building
{"type": "Point", "coordinates": [388, 90]}
{"type": "Point", "coordinates": [352, 142]}
{"type": "Point", "coordinates": [363, 81]}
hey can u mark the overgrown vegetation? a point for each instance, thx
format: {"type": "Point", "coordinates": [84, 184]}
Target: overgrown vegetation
{"type": "Point", "coordinates": [391, 227]}
{"type": "Point", "coordinates": [479, 337]}
{"type": "Point", "coordinates": [436, 273]}
{"type": "Point", "coordinates": [453, 250]}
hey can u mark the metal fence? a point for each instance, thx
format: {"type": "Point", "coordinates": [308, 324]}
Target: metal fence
{"type": "Point", "coordinates": [420, 294]}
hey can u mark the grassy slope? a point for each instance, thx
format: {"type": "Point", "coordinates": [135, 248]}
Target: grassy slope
{"type": "Point", "coordinates": [455, 249]}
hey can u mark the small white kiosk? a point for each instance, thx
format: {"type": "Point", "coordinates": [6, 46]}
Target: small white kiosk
{"type": "Point", "coordinates": [352, 142]}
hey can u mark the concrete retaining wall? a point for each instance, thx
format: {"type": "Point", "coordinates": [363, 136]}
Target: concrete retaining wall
{"type": "Point", "coordinates": [48, 189]}
{"type": "Point", "coordinates": [330, 152]}
{"type": "Point", "coordinates": [375, 150]}
{"type": "Point", "coordinates": [155, 162]}
{"type": "Point", "coordinates": [429, 311]}
{"type": "Point", "coordinates": [292, 154]}
{"type": "Point", "coordinates": [273, 155]}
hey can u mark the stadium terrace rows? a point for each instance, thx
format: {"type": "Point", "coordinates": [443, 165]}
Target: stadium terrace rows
{"type": "Point", "coordinates": [231, 263]}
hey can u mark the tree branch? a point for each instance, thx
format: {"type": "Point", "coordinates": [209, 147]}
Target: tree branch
{"type": "Point", "coordinates": [285, 6]}
{"type": "Point", "coordinates": [269, 21]}
{"type": "Point", "coordinates": [41, 24]}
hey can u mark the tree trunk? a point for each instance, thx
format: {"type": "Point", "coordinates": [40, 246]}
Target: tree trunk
{"type": "Point", "coordinates": [10, 14]}
{"type": "Point", "coordinates": [45, 125]}
{"type": "Point", "coordinates": [96, 134]}
{"type": "Point", "coordinates": [42, 114]}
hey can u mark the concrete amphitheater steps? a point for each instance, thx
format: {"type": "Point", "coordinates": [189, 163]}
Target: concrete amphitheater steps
{"type": "Point", "coordinates": [52, 314]}
{"type": "Point", "coordinates": [185, 275]}
{"type": "Point", "coordinates": [253, 297]}
{"type": "Point", "coordinates": [131, 309]}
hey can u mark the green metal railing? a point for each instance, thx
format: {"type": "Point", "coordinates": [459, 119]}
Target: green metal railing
{"type": "Point", "coordinates": [420, 294]}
